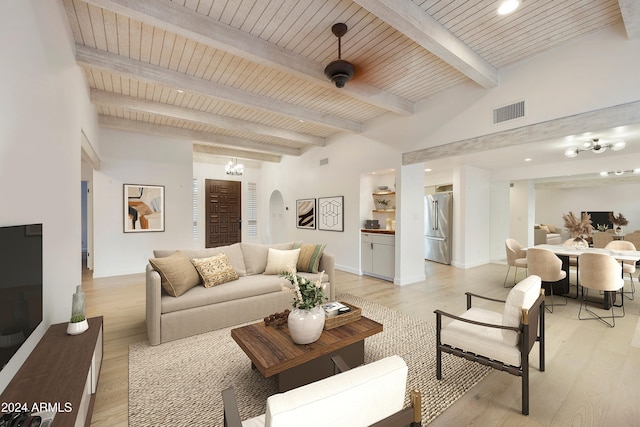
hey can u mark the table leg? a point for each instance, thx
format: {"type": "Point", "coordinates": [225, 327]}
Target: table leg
{"type": "Point", "coordinates": [319, 368]}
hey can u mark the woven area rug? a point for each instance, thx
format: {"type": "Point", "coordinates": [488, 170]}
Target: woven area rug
{"type": "Point", "coordinates": [179, 383]}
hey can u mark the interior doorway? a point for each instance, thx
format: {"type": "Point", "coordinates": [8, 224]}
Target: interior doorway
{"type": "Point", "coordinates": [223, 212]}
{"type": "Point", "coordinates": [277, 221]}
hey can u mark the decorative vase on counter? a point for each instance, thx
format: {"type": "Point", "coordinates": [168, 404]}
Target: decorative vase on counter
{"type": "Point", "coordinates": [305, 326]}
{"type": "Point", "coordinates": [618, 230]}
{"type": "Point", "coordinates": [78, 323]}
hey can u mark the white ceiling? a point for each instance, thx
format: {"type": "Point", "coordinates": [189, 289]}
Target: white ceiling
{"type": "Point", "coordinates": [243, 78]}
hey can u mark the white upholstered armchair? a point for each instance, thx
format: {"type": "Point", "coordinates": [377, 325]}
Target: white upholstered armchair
{"type": "Point", "coordinates": [369, 395]}
{"type": "Point", "coordinates": [500, 340]}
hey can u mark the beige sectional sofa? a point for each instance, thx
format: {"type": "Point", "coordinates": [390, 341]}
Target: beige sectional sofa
{"type": "Point", "coordinates": [548, 234]}
{"type": "Point", "coordinates": [253, 295]}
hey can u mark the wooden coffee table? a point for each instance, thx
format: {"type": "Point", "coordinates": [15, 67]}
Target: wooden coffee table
{"type": "Point", "coordinates": [273, 352]}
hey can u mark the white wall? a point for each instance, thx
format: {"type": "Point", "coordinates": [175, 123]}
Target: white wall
{"type": "Point", "coordinates": [43, 110]}
{"type": "Point", "coordinates": [350, 156]}
{"type": "Point", "coordinates": [129, 158]}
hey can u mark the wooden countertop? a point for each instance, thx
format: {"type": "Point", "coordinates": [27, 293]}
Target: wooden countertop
{"type": "Point", "coordinates": [377, 230]}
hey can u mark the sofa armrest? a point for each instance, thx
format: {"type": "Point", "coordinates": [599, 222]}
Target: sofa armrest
{"type": "Point", "coordinates": [153, 305]}
{"type": "Point", "coordinates": [327, 264]}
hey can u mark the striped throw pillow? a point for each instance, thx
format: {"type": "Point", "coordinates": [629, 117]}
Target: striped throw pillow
{"type": "Point", "coordinates": [309, 257]}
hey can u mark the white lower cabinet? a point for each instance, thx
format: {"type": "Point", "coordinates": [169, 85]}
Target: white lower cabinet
{"type": "Point", "coordinates": [378, 255]}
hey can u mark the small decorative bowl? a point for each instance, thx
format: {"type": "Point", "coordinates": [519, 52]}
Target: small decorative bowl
{"type": "Point", "coordinates": [383, 187]}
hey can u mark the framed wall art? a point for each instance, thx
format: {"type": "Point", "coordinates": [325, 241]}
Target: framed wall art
{"type": "Point", "coordinates": [331, 213]}
{"type": "Point", "coordinates": [306, 213]}
{"type": "Point", "coordinates": [143, 208]}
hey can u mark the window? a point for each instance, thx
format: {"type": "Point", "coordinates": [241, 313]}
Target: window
{"type": "Point", "coordinates": [252, 210]}
{"type": "Point", "coordinates": [194, 201]}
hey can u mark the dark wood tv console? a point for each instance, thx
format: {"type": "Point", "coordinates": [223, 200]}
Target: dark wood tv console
{"type": "Point", "coordinates": [62, 373]}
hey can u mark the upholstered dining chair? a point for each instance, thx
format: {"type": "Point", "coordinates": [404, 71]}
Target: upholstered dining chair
{"type": "Point", "coordinates": [516, 257]}
{"type": "Point", "coordinates": [628, 267]}
{"type": "Point", "coordinates": [546, 265]}
{"type": "Point", "coordinates": [601, 239]}
{"type": "Point", "coordinates": [600, 272]}
{"type": "Point", "coordinates": [500, 340]}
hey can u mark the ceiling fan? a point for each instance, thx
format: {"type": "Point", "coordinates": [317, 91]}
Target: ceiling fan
{"type": "Point", "coordinates": [339, 71]}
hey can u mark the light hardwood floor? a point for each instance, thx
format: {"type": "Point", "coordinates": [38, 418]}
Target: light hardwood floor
{"type": "Point", "coordinates": [592, 376]}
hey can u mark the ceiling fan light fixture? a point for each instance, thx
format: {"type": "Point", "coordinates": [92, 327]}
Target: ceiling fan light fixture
{"type": "Point", "coordinates": [604, 174]}
{"type": "Point", "coordinates": [571, 152]}
{"type": "Point", "coordinates": [618, 145]}
{"type": "Point", "coordinates": [339, 71]}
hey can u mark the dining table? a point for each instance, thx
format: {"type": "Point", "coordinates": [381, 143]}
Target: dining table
{"type": "Point", "coordinates": [564, 252]}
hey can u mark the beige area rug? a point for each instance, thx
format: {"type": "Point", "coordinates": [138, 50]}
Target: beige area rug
{"type": "Point", "coordinates": [179, 383]}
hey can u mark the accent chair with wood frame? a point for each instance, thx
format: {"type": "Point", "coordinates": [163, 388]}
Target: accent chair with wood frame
{"type": "Point", "coordinates": [369, 395]}
{"type": "Point", "coordinates": [500, 340]}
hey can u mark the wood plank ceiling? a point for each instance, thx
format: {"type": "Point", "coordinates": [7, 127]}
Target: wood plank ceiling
{"type": "Point", "coordinates": [244, 78]}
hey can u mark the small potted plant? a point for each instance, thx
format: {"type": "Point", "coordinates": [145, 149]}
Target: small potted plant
{"type": "Point", "coordinates": [384, 203]}
{"type": "Point", "coordinates": [78, 322]}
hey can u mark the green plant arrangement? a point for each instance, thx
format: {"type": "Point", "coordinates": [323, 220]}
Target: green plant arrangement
{"type": "Point", "coordinates": [384, 202]}
{"type": "Point", "coordinates": [76, 318]}
{"type": "Point", "coordinates": [307, 294]}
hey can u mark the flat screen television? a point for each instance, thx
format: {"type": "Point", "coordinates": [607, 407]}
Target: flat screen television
{"type": "Point", "coordinates": [599, 218]}
{"type": "Point", "coordinates": [20, 286]}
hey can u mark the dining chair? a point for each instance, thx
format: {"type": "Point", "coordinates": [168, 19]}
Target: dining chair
{"type": "Point", "coordinates": [502, 341]}
{"type": "Point", "coordinates": [601, 239]}
{"type": "Point", "coordinates": [600, 272]}
{"type": "Point", "coordinates": [516, 257]}
{"type": "Point", "coordinates": [546, 265]}
{"type": "Point", "coordinates": [628, 267]}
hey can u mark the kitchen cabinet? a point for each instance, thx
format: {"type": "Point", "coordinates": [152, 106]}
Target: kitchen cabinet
{"type": "Point", "coordinates": [378, 255]}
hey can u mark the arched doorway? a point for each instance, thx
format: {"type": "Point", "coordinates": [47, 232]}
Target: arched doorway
{"type": "Point", "coordinates": [276, 231]}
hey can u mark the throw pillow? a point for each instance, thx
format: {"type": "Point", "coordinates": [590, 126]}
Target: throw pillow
{"type": "Point", "coordinates": [545, 228]}
{"type": "Point", "coordinates": [309, 258]}
{"type": "Point", "coordinates": [215, 270]}
{"type": "Point", "coordinates": [177, 273]}
{"type": "Point", "coordinates": [280, 261]}
{"type": "Point", "coordinates": [552, 228]}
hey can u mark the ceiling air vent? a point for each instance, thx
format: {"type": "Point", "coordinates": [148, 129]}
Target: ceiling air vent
{"type": "Point", "coordinates": [508, 112]}
{"type": "Point", "coordinates": [324, 161]}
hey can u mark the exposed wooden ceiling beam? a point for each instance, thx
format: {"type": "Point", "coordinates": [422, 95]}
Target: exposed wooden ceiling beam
{"type": "Point", "coordinates": [408, 18]}
{"type": "Point", "coordinates": [110, 62]}
{"type": "Point", "coordinates": [170, 16]}
{"type": "Point", "coordinates": [229, 152]}
{"type": "Point", "coordinates": [192, 135]}
{"type": "Point", "coordinates": [610, 117]}
{"type": "Point", "coordinates": [152, 107]}
{"type": "Point", "coordinates": [630, 10]}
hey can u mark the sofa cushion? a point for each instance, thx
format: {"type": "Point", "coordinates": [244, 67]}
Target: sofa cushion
{"type": "Point", "coordinates": [524, 294]}
{"type": "Point", "coordinates": [279, 262]}
{"type": "Point", "coordinates": [233, 252]}
{"type": "Point", "coordinates": [215, 270]}
{"type": "Point", "coordinates": [309, 258]}
{"type": "Point", "coordinates": [199, 296]}
{"type": "Point", "coordinates": [177, 273]}
{"type": "Point", "coordinates": [255, 255]}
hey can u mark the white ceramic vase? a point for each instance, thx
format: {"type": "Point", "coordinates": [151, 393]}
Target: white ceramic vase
{"type": "Point", "coordinates": [305, 326]}
{"type": "Point", "coordinates": [76, 328]}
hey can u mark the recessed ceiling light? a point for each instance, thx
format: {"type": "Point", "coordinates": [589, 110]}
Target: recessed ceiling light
{"type": "Point", "coordinates": [508, 6]}
{"type": "Point", "coordinates": [528, 159]}
{"type": "Point", "coordinates": [179, 91]}
{"type": "Point", "coordinates": [427, 170]}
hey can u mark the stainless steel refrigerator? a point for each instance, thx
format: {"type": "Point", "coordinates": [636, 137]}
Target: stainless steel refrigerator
{"type": "Point", "coordinates": [438, 213]}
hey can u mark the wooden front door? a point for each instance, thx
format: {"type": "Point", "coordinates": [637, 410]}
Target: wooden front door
{"type": "Point", "coordinates": [223, 210]}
